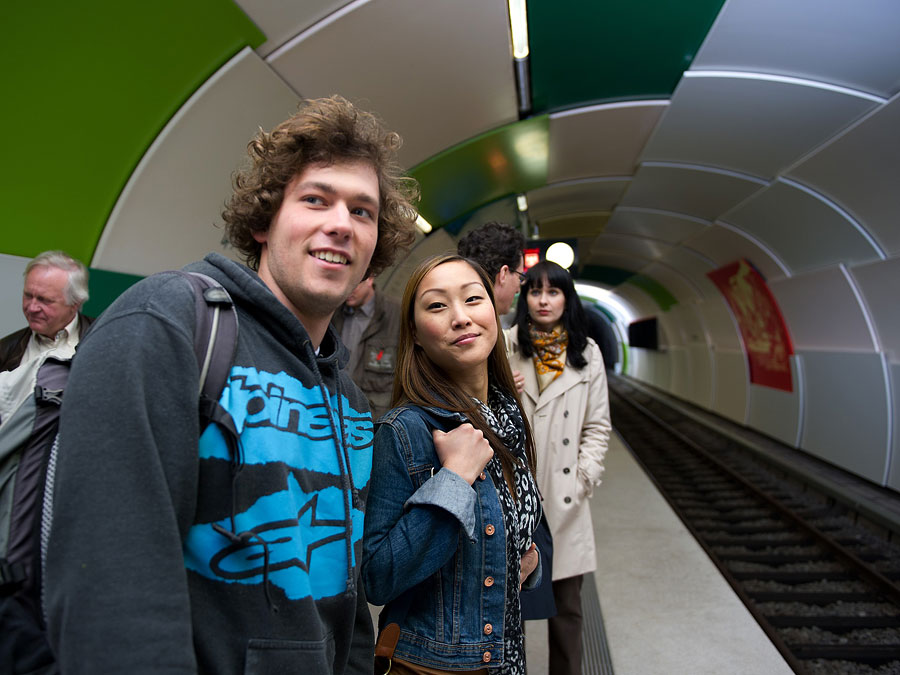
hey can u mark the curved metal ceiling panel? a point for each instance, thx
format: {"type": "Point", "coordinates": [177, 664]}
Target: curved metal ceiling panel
{"type": "Point", "coordinates": [695, 191]}
{"type": "Point", "coordinates": [573, 225]}
{"type": "Point", "coordinates": [191, 163]}
{"type": "Point", "coordinates": [859, 171]}
{"type": "Point", "coordinates": [390, 55]}
{"type": "Point", "coordinates": [844, 43]}
{"type": "Point", "coordinates": [754, 126]}
{"type": "Point", "coordinates": [602, 140]}
{"type": "Point", "coordinates": [665, 226]}
{"type": "Point", "coordinates": [598, 194]}
{"type": "Point", "coordinates": [723, 245]}
{"type": "Point", "coordinates": [594, 51]}
{"type": "Point", "coordinates": [807, 232]}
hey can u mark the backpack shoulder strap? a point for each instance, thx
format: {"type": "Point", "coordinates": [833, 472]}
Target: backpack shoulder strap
{"type": "Point", "coordinates": [215, 344]}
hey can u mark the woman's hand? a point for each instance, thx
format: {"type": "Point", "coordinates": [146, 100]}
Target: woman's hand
{"type": "Point", "coordinates": [464, 450]}
{"type": "Point", "coordinates": [529, 564]}
{"type": "Point", "coordinates": [519, 380]}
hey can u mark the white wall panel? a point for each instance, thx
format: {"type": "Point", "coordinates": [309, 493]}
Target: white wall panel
{"type": "Point", "coordinates": [720, 325]}
{"type": "Point", "coordinates": [847, 420]}
{"type": "Point", "coordinates": [859, 171]}
{"type": "Point", "coordinates": [879, 284]}
{"type": "Point", "coordinates": [822, 313]}
{"type": "Point", "coordinates": [894, 475]}
{"type": "Point", "coordinates": [730, 395]}
{"type": "Point", "coordinates": [701, 375]}
{"type": "Point", "coordinates": [805, 232]}
{"type": "Point", "coordinates": [12, 268]}
{"type": "Point", "coordinates": [752, 125]}
{"type": "Point", "coordinates": [778, 413]}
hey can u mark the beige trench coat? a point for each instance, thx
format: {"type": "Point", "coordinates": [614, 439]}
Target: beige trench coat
{"type": "Point", "coordinates": [570, 421]}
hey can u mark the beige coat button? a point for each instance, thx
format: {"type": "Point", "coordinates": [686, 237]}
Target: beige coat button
{"type": "Point", "coordinates": [489, 581]}
{"type": "Point", "coordinates": [488, 629]}
{"type": "Point", "coordinates": [486, 657]}
{"type": "Point", "coordinates": [489, 530]}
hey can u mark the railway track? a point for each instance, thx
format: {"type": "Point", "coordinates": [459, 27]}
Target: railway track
{"type": "Point", "coordinates": [823, 588]}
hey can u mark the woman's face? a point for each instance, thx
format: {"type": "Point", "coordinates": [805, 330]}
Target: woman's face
{"type": "Point", "coordinates": [455, 322]}
{"type": "Point", "coordinates": [546, 305]}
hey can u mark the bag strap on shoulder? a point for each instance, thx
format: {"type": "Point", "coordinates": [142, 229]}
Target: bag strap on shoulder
{"type": "Point", "coordinates": [215, 344]}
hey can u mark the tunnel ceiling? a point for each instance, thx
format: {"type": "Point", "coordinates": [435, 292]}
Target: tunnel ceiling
{"type": "Point", "coordinates": [667, 139]}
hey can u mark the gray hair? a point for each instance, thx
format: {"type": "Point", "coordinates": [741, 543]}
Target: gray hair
{"type": "Point", "coordinates": [76, 290]}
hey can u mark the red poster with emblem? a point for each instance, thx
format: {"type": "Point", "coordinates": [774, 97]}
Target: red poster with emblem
{"type": "Point", "coordinates": [762, 326]}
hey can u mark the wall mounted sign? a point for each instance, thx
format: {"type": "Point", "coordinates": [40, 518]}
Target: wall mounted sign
{"type": "Point", "coordinates": [762, 326]}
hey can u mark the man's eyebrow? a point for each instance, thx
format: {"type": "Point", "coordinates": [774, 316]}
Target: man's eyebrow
{"type": "Point", "coordinates": [328, 188]}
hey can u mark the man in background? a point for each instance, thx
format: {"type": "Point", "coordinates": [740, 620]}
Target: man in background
{"type": "Point", "coordinates": [498, 248]}
{"type": "Point", "coordinates": [56, 286]}
{"type": "Point", "coordinates": [369, 326]}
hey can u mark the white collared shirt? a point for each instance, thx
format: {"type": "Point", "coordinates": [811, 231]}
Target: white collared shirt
{"type": "Point", "coordinates": [62, 345]}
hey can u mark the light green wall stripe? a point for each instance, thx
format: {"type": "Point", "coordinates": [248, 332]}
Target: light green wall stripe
{"type": "Point", "coordinates": [87, 86]}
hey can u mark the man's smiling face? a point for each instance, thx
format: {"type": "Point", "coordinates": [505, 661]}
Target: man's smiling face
{"type": "Point", "coordinates": [321, 240]}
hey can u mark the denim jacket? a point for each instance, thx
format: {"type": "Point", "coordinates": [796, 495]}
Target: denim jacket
{"type": "Point", "coordinates": [434, 548]}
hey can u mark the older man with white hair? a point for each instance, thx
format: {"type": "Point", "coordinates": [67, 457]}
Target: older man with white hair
{"type": "Point", "coordinates": [56, 286]}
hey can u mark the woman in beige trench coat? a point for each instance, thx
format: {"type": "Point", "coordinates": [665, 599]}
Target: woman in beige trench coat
{"type": "Point", "coordinates": [565, 398]}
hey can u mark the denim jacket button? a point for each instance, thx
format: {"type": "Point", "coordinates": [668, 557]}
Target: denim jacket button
{"type": "Point", "coordinates": [488, 629]}
{"type": "Point", "coordinates": [489, 581]}
{"type": "Point", "coordinates": [482, 476]}
{"type": "Point", "coordinates": [489, 530]}
{"type": "Point", "coordinates": [486, 657]}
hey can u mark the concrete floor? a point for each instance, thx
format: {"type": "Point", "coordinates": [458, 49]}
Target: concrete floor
{"type": "Point", "coordinates": [666, 608]}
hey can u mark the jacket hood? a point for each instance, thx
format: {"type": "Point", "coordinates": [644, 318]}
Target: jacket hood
{"type": "Point", "coordinates": [248, 290]}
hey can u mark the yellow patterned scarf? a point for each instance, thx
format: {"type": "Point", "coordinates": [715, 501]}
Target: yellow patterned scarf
{"type": "Point", "coordinates": [549, 354]}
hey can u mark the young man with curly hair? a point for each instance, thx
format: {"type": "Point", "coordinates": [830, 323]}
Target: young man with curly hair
{"type": "Point", "coordinates": [498, 248]}
{"type": "Point", "coordinates": [173, 550]}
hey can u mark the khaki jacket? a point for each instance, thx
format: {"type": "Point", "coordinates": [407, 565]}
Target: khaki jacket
{"type": "Point", "coordinates": [570, 421]}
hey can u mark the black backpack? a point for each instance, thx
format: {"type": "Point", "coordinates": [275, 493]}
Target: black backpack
{"type": "Point", "coordinates": [28, 449]}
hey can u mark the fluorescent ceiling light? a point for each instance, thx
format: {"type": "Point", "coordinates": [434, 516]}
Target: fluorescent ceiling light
{"type": "Point", "coordinates": [423, 224]}
{"type": "Point", "coordinates": [522, 203]}
{"type": "Point", "coordinates": [518, 21]}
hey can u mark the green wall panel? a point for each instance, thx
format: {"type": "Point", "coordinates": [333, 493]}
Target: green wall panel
{"type": "Point", "coordinates": [504, 161]}
{"type": "Point", "coordinates": [87, 86]}
{"type": "Point", "coordinates": [584, 52]}
{"type": "Point", "coordinates": [104, 287]}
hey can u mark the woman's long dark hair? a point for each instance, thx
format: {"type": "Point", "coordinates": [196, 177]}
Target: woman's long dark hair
{"type": "Point", "coordinates": [420, 381]}
{"type": "Point", "coordinates": [573, 318]}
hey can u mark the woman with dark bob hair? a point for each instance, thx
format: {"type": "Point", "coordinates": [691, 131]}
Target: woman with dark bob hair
{"type": "Point", "coordinates": [452, 501]}
{"type": "Point", "coordinates": [565, 399]}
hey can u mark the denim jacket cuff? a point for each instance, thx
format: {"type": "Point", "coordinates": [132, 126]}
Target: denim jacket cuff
{"type": "Point", "coordinates": [449, 491]}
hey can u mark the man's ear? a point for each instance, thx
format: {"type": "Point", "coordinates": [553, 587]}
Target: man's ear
{"type": "Point", "coordinates": [261, 236]}
{"type": "Point", "coordinates": [501, 275]}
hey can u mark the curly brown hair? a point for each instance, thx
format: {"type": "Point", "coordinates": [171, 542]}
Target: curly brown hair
{"type": "Point", "coordinates": [322, 131]}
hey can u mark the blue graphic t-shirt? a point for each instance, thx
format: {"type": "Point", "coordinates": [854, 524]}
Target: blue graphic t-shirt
{"type": "Point", "coordinates": [292, 512]}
